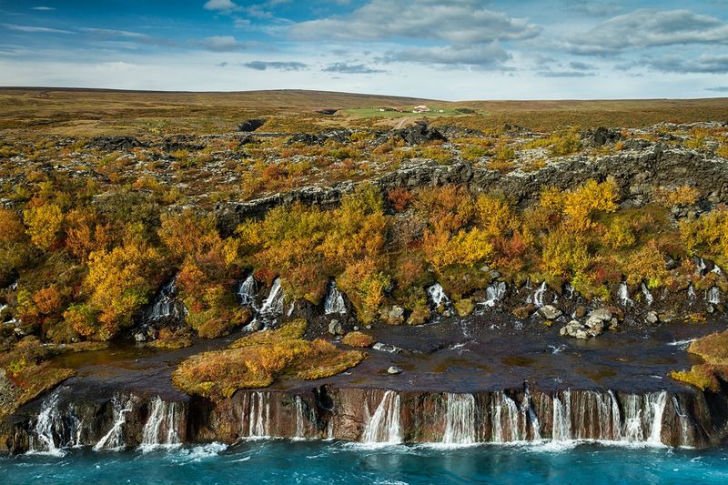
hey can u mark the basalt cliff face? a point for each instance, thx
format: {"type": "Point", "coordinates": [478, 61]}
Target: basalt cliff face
{"type": "Point", "coordinates": [372, 416]}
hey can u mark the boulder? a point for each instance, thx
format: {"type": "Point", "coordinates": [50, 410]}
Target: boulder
{"type": "Point", "coordinates": [335, 328]}
{"type": "Point", "coordinates": [549, 312]}
{"type": "Point", "coordinates": [251, 124]}
{"type": "Point", "coordinates": [394, 315]}
{"type": "Point", "coordinates": [394, 370]}
{"type": "Point", "coordinates": [652, 317]}
{"type": "Point", "coordinates": [419, 133]}
{"type": "Point", "coordinates": [601, 136]}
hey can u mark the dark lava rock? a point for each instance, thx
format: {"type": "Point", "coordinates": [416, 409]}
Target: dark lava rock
{"type": "Point", "coordinates": [181, 142]}
{"type": "Point", "coordinates": [251, 124]}
{"type": "Point", "coordinates": [339, 136]}
{"type": "Point", "coordinates": [419, 133]}
{"type": "Point", "coordinates": [247, 140]}
{"type": "Point", "coordinates": [327, 111]}
{"type": "Point", "coordinates": [601, 136]}
{"type": "Point", "coordinates": [115, 143]}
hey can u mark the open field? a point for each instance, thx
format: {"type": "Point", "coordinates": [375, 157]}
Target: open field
{"type": "Point", "coordinates": [71, 112]}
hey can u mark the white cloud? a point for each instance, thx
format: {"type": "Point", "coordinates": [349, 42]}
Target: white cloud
{"type": "Point", "coordinates": [482, 55]}
{"type": "Point", "coordinates": [649, 28]}
{"type": "Point", "coordinates": [456, 21]}
{"type": "Point", "coordinates": [220, 5]}
{"type": "Point", "coordinates": [221, 43]}
{"type": "Point", "coordinates": [35, 29]}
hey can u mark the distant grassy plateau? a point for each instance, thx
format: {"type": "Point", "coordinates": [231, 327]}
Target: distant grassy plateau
{"type": "Point", "coordinates": [80, 112]}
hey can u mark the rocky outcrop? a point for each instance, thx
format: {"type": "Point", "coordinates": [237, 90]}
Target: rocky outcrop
{"type": "Point", "coordinates": [114, 143]}
{"type": "Point", "coordinates": [339, 136]}
{"type": "Point", "coordinates": [418, 133]}
{"type": "Point", "coordinates": [651, 417]}
{"type": "Point", "coordinates": [251, 124]}
{"type": "Point", "coordinates": [638, 174]}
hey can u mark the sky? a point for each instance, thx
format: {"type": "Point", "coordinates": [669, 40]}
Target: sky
{"type": "Point", "coordinates": [450, 49]}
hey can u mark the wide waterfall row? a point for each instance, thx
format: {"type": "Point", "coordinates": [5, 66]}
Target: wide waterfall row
{"type": "Point", "coordinates": [500, 417]}
{"type": "Point", "coordinates": [371, 416]}
{"type": "Point", "coordinates": [61, 425]}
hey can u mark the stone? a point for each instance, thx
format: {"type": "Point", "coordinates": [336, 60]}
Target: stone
{"type": "Point", "coordinates": [549, 312]}
{"type": "Point", "coordinates": [419, 133]}
{"type": "Point", "coordinates": [603, 314]}
{"type": "Point", "coordinates": [140, 337]}
{"type": "Point", "coordinates": [335, 328]}
{"type": "Point", "coordinates": [652, 317]}
{"type": "Point", "coordinates": [251, 124]}
{"type": "Point", "coordinates": [394, 315]}
{"type": "Point", "coordinates": [581, 334]}
{"type": "Point", "coordinates": [254, 326]}
{"type": "Point", "coordinates": [394, 370]}
{"type": "Point", "coordinates": [580, 311]}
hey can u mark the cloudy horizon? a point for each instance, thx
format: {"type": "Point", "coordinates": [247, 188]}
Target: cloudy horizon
{"type": "Point", "coordinates": [452, 49]}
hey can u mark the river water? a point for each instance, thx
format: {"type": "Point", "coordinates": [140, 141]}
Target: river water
{"type": "Point", "coordinates": [287, 462]}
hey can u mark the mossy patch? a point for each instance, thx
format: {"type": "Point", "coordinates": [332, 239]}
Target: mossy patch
{"type": "Point", "coordinates": [258, 360]}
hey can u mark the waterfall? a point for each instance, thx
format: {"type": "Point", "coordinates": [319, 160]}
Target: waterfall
{"type": "Point", "coordinates": [247, 291]}
{"type": "Point", "coordinates": [46, 425]}
{"type": "Point", "coordinates": [716, 269]}
{"type": "Point", "coordinates": [384, 425]}
{"type": "Point", "coordinates": [509, 425]}
{"type": "Point", "coordinates": [257, 406]}
{"type": "Point", "coordinates": [273, 305]}
{"type": "Point", "coordinates": [713, 296]}
{"type": "Point", "coordinates": [161, 426]}
{"type": "Point", "coordinates": [459, 419]}
{"type": "Point", "coordinates": [438, 296]}
{"type": "Point", "coordinates": [537, 297]}
{"type": "Point", "coordinates": [623, 295]}
{"type": "Point", "coordinates": [166, 305]}
{"type": "Point", "coordinates": [494, 293]}
{"type": "Point", "coordinates": [300, 429]}
{"type": "Point", "coordinates": [649, 299]}
{"type": "Point", "coordinates": [691, 293]}
{"type": "Point", "coordinates": [561, 420]}
{"type": "Point", "coordinates": [334, 302]}
{"type": "Point", "coordinates": [700, 266]}
{"type": "Point", "coordinates": [528, 414]}
{"type": "Point", "coordinates": [656, 403]}
{"type": "Point", "coordinates": [114, 438]}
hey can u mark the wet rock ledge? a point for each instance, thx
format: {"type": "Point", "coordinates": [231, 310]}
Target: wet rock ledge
{"type": "Point", "coordinates": [65, 419]}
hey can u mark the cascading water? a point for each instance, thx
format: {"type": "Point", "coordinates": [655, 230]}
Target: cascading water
{"type": "Point", "coordinates": [247, 291]}
{"type": "Point", "coordinates": [561, 417]}
{"type": "Point", "coordinates": [272, 307]}
{"type": "Point", "coordinates": [508, 423]}
{"type": "Point", "coordinates": [384, 425]}
{"type": "Point", "coordinates": [114, 438]}
{"type": "Point", "coordinates": [692, 296]}
{"type": "Point", "coordinates": [713, 296]}
{"type": "Point", "coordinates": [43, 439]}
{"type": "Point", "coordinates": [300, 419]}
{"type": "Point", "coordinates": [438, 296]}
{"type": "Point", "coordinates": [166, 304]}
{"type": "Point", "coordinates": [459, 419]}
{"type": "Point", "coordinates": [649, 299]}
{"type": "Point", "coordinates": [334, 303]}
{"type": "Point", "coordinates": [494, 293]}
{"type": "Point", "coordinates": [537, 297]}
{"type": "Point", "coordinates": [161, 428]}
{"type": "Point", "coordinates": [700, 266]}
{"type": "Point", "coordinates": [257, 406]}
{"type": "Point", "coordinates": [623, 295]}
